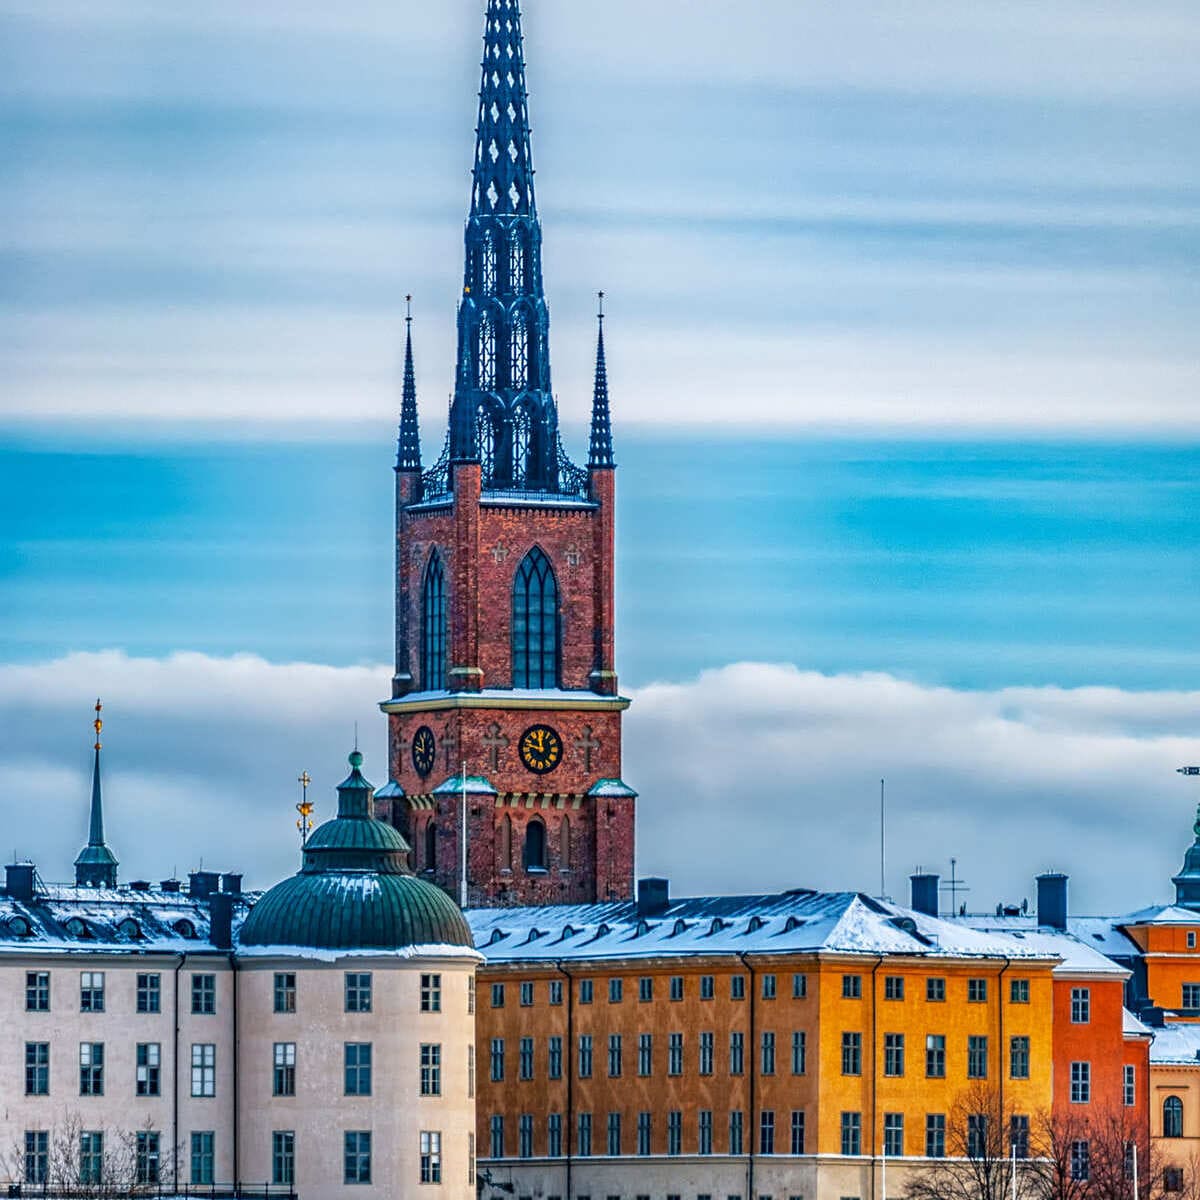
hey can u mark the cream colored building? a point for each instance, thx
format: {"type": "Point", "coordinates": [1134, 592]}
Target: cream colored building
{"type": "Point", "coordinates": [316, 1040]}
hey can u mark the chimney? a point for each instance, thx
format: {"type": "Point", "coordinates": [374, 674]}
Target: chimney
{"type": "Point", "coordinates": [170, 885]}
{"type": "Point", "coordinates": [140, 885]}
{"type": "Point", "coordinates": [924, 893]}
{"type": "Point", "coordinates": [231, 884]}
{"type": "Point", "coordinates": [202, 884]}
{"type": "Point", "coordinates": [220, 920]}
{"type": "Point", "coordinates": [1052, 900]}
{"type": "Point", "coordinates": [653, 896]}
{"type": "Point", "coordinates": [18, 881]}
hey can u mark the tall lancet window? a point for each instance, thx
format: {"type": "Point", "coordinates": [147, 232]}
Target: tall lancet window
{"type": "Point", "coordinates": [487, 353]}
{"type": "Point", "coordinates": [485, 441]}
{"type": "Point", "coordinates": [521, 427]}
{"type": "Point", "coordinates": [433, 627]}
{"type": "Point", "coordinates": [518, 351]}
{"type": "Point", "coordinates": [516, 262]}
{"type": "Point", "coordinates": [487, 265]}
{"type": "Point", "coordinates": [535, 623]}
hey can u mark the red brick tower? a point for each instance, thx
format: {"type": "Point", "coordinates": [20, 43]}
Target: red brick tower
{"type": "Point", "coordinates": [504, 576]}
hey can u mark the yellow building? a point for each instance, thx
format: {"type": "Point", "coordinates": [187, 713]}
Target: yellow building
{"type": "Point", "coordinates": [745, 1046]}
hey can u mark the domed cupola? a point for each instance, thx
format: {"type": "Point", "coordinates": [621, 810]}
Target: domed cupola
{"type": "Point", "coordinates": [355, 890]}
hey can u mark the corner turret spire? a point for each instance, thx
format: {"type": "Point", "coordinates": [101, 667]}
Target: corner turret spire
{"type": "Point", "coordinates": [408, 454]}
{"type": "Point", "coordinates": [600, 448]}
{"type": "Point", "coordinates": [96, 865]}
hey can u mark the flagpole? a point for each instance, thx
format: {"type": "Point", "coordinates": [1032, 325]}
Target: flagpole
{"type": "Point", "coordinates": [462, 891]}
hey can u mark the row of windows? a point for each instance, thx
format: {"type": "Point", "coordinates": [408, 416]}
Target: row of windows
{"type": "Point", "coordinates": [95, 1155]}
{"type": "Point", "coordinates": [852, 989]}
{"type": "Point", "coordinates": [148, 992]}
{"type": "Point", "coordinates": [358, 1063]}
{"type": "Point", "coordinates": [616, 1140]}
{"type": "Point", "coordinates": [785, 1135]}
{"type": "Point", "coordinates": [646, 1055]}
{"type": "Point", "coordinates": [357, 991]}
{"type": "Point", "coordinates": [676, 988]}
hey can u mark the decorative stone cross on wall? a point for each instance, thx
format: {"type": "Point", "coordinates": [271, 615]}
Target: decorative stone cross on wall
{"type": "Point", "coordinates": [585, 743]}
{"type": "Point", "coordinates": [449, 745]}
{"type": "Point", "coordinates": [499, 553]}
{"type": "Point", "coordinates": [493, 742]}
{"type": "Point", "coordinates": [573, 556]}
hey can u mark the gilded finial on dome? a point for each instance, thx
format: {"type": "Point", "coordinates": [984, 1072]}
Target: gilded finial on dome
{"type": "Point", "coordinates": [98, 724]}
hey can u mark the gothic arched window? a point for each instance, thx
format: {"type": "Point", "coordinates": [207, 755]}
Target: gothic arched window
{"type": "Point", "coordinates": [430, 845]}
{"type": "Point", "coordinates": [535, 623]}
{"type": "Point", "coordinates": [487, 265]}
{"type": "Point", "coordinates": [518, 351]}
{"type": "Point", "coordinates": [1172, 1117]}
{"type": "Point", "coordinates": [433, 627]}
{"type": "Point", "coordinates": [487, 353]}
{"type": "Point", "coordinates": [485, 442]}
{"type": "Point", "coordinates": [522, 441]}
{"type": "Point", "coordinates": [535, 845]}
{"type": "Point", "coordinates": [516, 262]}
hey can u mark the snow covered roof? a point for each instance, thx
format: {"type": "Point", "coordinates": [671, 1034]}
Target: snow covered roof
{"type": "Point", "coordinates": [63, 919]}
{"type": "Point", "coordinates": [1131, 1026]}
{"type": "Point", "coordinates": [1160, 914]}
{"type": "Point", "coordinates": [788, 922]}
{"type": "Point", "coordinates": [1078, 955]}
{"type": "Point", "coordinates": [1178, 1044]}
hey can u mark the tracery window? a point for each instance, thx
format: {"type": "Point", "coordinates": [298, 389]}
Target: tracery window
{"type": "Point", "coordinates": [487, 353]}
{"type": "Point", "coordinates": [485, 441]}
{"type": "Point", "coordinates": [522, 428]}
{"type": "Point", "coordinates": [518, 351]}
{"type": "Point", "coordinates": [535, 624]}
{"type": "Point", "coordinates": [433, 627]}
{"type": "Point", "coordinates": [487, 265]}
{"type": "Point", "coordinates": [516, 262]}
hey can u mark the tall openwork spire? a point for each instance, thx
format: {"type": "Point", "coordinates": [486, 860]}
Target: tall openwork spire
{"type": "Point", "coordinates": [600, 448]}
{"type": "Point", "coordinates": [503, 415]}
{"type": "Point", "coordinates": [96, 865]}
{"type": "Point", "coordinates": [408, 453]}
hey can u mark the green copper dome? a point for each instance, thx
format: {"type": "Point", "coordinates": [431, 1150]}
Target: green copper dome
{"type": "Point", "coordinates": [355, 890]}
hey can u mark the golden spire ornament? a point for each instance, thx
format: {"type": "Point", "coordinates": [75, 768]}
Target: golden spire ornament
{"type": "Point", "coordinates": [98, 724]}
{"type": "Point", "coordinates": [304, 808]}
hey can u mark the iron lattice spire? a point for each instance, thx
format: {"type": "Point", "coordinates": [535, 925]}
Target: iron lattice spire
{"type": "Point", "coordinates": [503, 415]}
{"type": "Point", "coordinates": [600, 447]}
{"type": "Point", "coordinates": [408, 453]}
{"type": "Point", "coordinates": [96, 865]}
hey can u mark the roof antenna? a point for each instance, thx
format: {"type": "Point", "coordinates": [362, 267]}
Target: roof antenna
{"type": "Point", "coordinates": [954, 887]}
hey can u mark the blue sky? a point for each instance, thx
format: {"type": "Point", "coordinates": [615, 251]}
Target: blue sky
{"type": "Point", "coordinates": [964, 234]}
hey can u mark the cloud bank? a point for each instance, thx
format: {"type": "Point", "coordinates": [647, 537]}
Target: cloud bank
{"type": "Point", "coordinates": [753, 776]}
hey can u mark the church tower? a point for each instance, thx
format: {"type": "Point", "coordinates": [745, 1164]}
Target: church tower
{"type": "Point", "coordinates": [504, 701]}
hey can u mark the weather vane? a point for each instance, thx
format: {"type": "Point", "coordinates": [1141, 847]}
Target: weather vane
{"type": "Point", "coordinates": [304, 808]}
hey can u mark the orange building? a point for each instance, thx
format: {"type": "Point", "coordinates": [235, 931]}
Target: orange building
{"type": "Point", "coordinates": [747, 1046]}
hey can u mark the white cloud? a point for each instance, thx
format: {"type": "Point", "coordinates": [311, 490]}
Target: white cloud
{"type": "Point", "coordinates": [754, 776]}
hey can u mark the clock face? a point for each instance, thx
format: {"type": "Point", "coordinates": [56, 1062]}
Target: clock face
{"type": "Point", "coordinates": [541, 749]}
{"type": "Point", "coordinates": [424, 750]}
